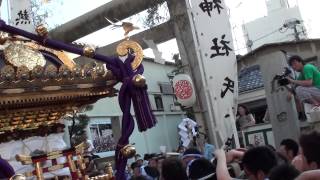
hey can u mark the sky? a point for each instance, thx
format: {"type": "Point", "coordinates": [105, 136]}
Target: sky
{"type": "Point", "coordinates": [241, 11]}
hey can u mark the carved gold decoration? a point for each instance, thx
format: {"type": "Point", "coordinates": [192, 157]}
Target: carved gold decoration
{"type": "Point", "coordinates": [17, 118]}
{"type": "Point", "coordinates": [81, 163]}
{"type": "Point", "coordinates": [43, 115]}
{"type": "Point", "coordinates": [77, 71]}
{"type": "Point", "coordinates": [71, 164]}
{"type": "Point", "coordinates": [24, 159]}
{"type": "Point", "coordinates": [54, 114]}
{"type": "Point", "coordinates": [123, 50]}
{"type": "Point", "coordinates": [13, 91]}
{"type": "Point", "coordinates": [54, 156]}
{"type": "Point", "coordinates": [51, 88]}
{"type": "Point", "coordinates": [55, 167]}
{"type": "Point", "coordinates": [28, 174]}
{"type": "Point", "coordinates": [15, 122]}
{"type": "Point", "coordinates": [128, 151]}
{"type": "Point", "coordinates": [64, 71]}
{"type": "Point", "coordinates": [7, 73]}
{"type": "Point", "coordinates": [41, 119]}
{"type": "Point", "coordinates": [18, 177]}
{"type": "Point", "coordinates": [39, 172]}
{"type": "Point", "coordinates": [37, 72]}
{"type": "Point", "coordinates": [42, 30]}
{"type": "Point", "coordinates": [100, 70]}
{"type": "Point", "coordinates": [3, 37]}
{"type": "Point", "coordinates": [19, 55]}
{"type": "Point", "coordinates": [108, 169]}
{"type": "Point", "coordinates": [60, 54]}
{"type": "Point", "coordinates": [28, 121]}
{"type": "Point", "coordinates": [89, 69]}
{"type": "Point", "coordinates": [109, 74]}
{"type": "Point", "coordinates": [80, 148]}
{"type": "Point", "coordinates": [23, 73]}
{"type": "Point", "coordinates": [51, 71]}
{"type": "Point", "coordinates": [88, 51]}
{"type": "Point", "coordinates": [31, 116]}
{"type": "Point", "coordinates": [139, 80]}
{"type": "Point", "coordinates": [84, 86]}
{"type": "Point", "coordinates": [53, 117]}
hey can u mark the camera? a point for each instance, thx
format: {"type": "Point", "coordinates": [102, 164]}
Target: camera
{"type": "Point", "coordinates": [281, 79]}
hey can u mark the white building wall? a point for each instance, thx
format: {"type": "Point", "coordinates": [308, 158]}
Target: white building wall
{"type": "Point", "coordinates": [266, 29]}
{"type": "Point", "coordinates": [274, 5]}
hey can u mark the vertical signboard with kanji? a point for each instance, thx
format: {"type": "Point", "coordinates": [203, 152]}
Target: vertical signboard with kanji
{"type": "Point", "coordinates": [213, 40]}
{"type": "Point", "coordinates": [21, 16]}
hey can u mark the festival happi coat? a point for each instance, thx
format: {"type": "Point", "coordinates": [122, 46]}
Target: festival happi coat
{"type": "Point", "coordinates": [39, 84]}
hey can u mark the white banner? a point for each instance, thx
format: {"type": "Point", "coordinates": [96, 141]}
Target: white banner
{"type": "Point", "coordinates": [21, 16]}
{"type": "Point", "coordinates": [211, 28]}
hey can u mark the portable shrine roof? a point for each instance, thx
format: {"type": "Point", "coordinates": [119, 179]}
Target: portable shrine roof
{"type": "Point", "coordinates": [39, 85]}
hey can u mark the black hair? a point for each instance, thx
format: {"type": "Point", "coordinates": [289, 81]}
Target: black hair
{"type": "Point", "coordinates": [271, 147]}
{"type": "Point", "coordinates": [160, 157]}
{"type": "Point", "coordinates": [138, 178]}
{"type": "Point", "coordinates": [247, 111]}
{"type": "Point", "coordinates": [200, 168]}
{"type": "Point", "coordinates": [134, 165]}
{"type": "Point", "coordinates": [295, 58]}
{"type": "Point", "coordinates": [310, 144]}
{"type": "Point", "coordinates": [146, 157]}
{"type": "Point", "coordinates": [172, 169]}
{"type": "Point", "coordinates": [284, 172]}
{"type": "Point", "coordinates": [191, 151]}
{"type": "Point", "coordinates": [281, 158]}
{"type": "Point", "coordinates": [259, 158]}
{"type": "Point", "coordinates": [137, 155]}
{"type": "Point", "coordinates": [290, 144]}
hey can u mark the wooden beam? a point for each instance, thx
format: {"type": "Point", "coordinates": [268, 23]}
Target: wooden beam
{"type": "Point", "coordinates": [94, 20]}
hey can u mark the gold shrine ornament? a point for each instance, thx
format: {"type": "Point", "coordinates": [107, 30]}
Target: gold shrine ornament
{"type": "Point", "coordinates": [124, 47]}
{"type": "Point", "coordinates": [18, 177]}
{"type": "Point", "coordinates": [128, 151]}
{"type": "Point", "coordinates": [20, 55]}
{"type": "Point", "coordinates": [42, 30]}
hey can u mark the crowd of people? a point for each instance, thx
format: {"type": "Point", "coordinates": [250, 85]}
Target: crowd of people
{"type": "Point", "coordinates": [291, 161]}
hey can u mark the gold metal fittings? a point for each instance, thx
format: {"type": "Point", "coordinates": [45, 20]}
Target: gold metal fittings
{"type": "Point", "coordinates": [3, 37]}
{"type": "Point", "coordinates": [18, 177]}
{"type": "Point", "coordinates": [139, 80]}
{"type": "Point", "coordinates": [42, 30]}
{"type": "Point", "coordinates": [128, 151]}
{"type": "Point", "coordinates": [124, 47]}
{"type": "Point", "coordinates": [88, 51]}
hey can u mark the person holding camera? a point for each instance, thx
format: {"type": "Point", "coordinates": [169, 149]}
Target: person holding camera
{"type": "Point", "coordinates": [308, 82]}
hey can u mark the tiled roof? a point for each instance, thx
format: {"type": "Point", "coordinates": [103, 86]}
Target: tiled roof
{"type": "Point", "coordinates": [250, 79]}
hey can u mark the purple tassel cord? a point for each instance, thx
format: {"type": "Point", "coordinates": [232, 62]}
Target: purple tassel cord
{"type": "Point", "coordinates": [128, 91]}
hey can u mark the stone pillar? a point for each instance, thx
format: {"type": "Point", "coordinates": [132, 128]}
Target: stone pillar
{"type": "Point", "coordinates": [283, 114]}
